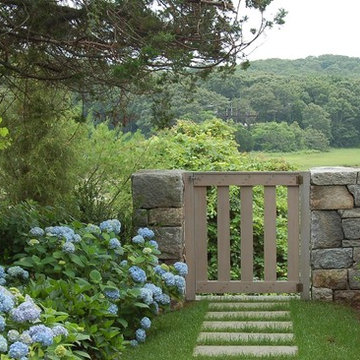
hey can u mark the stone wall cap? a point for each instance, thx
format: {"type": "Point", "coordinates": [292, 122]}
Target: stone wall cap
{"type": "Point", "coordinates": [159, 171]}
{"type": "Point", "coordinates": [337, 175]}
{"type": "Point", "coordinates": [334, 169]}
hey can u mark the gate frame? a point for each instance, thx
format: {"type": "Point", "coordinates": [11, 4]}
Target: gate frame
{"type": "Point", "coordinates": [304, 230]}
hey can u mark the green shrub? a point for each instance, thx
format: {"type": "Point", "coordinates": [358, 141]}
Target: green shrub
{"type": "Point", "coordinates": [211, 146]}
{"type": "Point", "coordinates": [273, 136]}
{"type": "Point", "coordinates": [101, 283]}
{"type": "Point", "coordinates": [15, 220]}
{"type": "Point", "coordinates": [316, 140]}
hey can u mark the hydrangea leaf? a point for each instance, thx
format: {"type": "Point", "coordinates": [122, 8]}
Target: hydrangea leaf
{"type": "Point", "coordinates": [95, 276]}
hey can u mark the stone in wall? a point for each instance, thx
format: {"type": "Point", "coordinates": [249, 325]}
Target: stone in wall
{"type": "Point", "coordinates": [322, 294]}
{"type": "Point", "coordinates": [351, 243]}
{"type": "Point", "coordinates": [351, 228]}
{"type": "Point", "coordinates": [334, 175]}
{"type": "Point", "coordinates": [326, 229]}
{"type": "Point", "coordinates": [351, 297]}
{"type": "Point", "coordinates": [330, 198]}
{"type": "Point", "coordinates": [166, 217]}
{"type": "Point", "coordinates": [331, 279]}
{"type": "Point", "coordinates": [354, 278]}
{"type": "Point", "coordinates": [352, 213]}
{"type": "Point", "coordinates": [340, 258]}
{"type": "Point", "coordinates": [357, 256]}
{"type": "Point", "coordinates": [355, 190]}
{"type": "Point", "coordinates": [157, 189]}
{"type": "Point", "coordinates": [170, 241]}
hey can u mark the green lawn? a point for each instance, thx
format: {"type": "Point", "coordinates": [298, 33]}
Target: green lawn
{"type": "Point", "coordinates": [322, 331]}
{"type": "Point", "coordinates": [306, 160]}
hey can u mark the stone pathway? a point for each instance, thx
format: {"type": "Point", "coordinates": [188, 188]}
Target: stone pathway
{"type": "Point", "coordinates": [257, 326]}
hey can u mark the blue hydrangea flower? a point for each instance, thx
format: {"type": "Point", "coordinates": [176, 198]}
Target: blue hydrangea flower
{"type": "Point", "coordinates": [156, 290]}
{"type": "Point", "coordinates": [138, 239]}
{"type": "Point", "coordinates": [2, 272]}
{"type": "Point", "coordinates": [164, 299]}
{"type": "Point", "coordinates": [181, 268]}
{"type": "Point", "coordinates": [76, 238]}
{"type": "Point", "coordinates": [17, 272]}
{"type": "Point", "coordinates": [27, 311]}
{"type": "Point", "coordinates": [159, 270]}
{"type": "Point", "coordinates": [180, 284]}
{"type": "Point", "coordinates": [112, 294]}
{"type": "Point", "coordinates": [26, 338]}
{"type": "Point", "coordinates": [154, 244]}
{"type": "Point", "coordinates": [6, 300]}
{"type": "Point", "coordinates": [18, 350]}
{"type": "Point", "coordinates": [113, 309]}
{"type": "Point", "coordinates": [36, 232]}
{"type": "Point", "coordinates": [3, 345]}
{"type": "Point", "coordinates": [140, 335]}
{"type": "Point", "coordinates": [137, 274]}
{"type": "Point", "coordinates": [93, 229]}
{"type": "Point", "coordinates": [112, 225]}
{"type": "Point", "coordinates": [2, 323]}
{"type": "Point", "coordinates": [42, 334]}
{"type": "Point", "coordinates": [169, 278]}
{"type": "Point", "coordinates": [146, 233]}
{"type": "Point", "coordinates": [146, 296]}
{"type": "Point", "coordinates": [124, 263]}
{"type": "Point", "coordinates": [2, 281]}
{"type": "Point", "coordinates": [145, 323]}
{"type": "Point", "coordinates": [114, 243]}
{"type": "Point", "coordinates": [13, 335]}
{"type": "Point", "coordinates": [68, 248]}
{"type": "Point", "coordinates": [60, 330]}
{"type": "Point", "coordinates": [134, 343]}
{"type": "Point", "coordinates": [61, 232]}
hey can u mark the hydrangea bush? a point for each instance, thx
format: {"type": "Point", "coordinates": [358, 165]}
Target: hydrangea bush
{"type": "Point", "coordinates": [30, 332]}
{"type": "Point", "coordinates": [109, 286]}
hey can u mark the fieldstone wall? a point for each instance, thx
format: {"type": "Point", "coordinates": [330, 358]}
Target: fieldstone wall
{"type": "Point", "coordinates": [335, 234]}
{"type": "Point", "coordinates": [158, 199]}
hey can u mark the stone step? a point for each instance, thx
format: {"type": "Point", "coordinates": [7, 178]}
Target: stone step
{"type": "Point", "coordinates": [247, 324]}
{"type": "Point", "coordinates": [270, 298]}
{"type": "Point", "coordinates": [233, 336]}
{"type": "Point", "coordinates": [212, 350]}
{"type": "Point", "coordinates": [245, 305]}
{"type": "Point", "coordinates": [246, 314]}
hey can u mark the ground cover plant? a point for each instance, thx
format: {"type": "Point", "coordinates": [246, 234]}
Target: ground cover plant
{"type": "Point", "coordinates": [112, 289]}
{"type": "Point", "coordinates": [322, 331]}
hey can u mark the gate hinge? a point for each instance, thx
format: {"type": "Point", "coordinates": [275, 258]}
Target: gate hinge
{"type": "Point", "coordinates": [299, 287]}
{"type": "Point", "coordinates": [299, 180]}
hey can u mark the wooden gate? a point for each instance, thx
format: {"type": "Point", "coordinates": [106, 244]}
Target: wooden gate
{"type": "Point", "coordinates": [196, 232]}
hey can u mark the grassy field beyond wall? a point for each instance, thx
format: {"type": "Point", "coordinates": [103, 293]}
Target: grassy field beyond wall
{"type": "Point", "coordinates": [305, 160]}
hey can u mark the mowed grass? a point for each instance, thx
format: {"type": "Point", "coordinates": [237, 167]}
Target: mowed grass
{"type": "Point", "coordinates": [306, 160]}
{"type": "Point", "coordinates": [322, 331]}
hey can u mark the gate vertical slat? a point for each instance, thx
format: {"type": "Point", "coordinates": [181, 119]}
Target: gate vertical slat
{"type": "Point", "coordinates": [201, 228]}
{"type": "Point", "coordinates": [189, 217]}
{"type": "Point", "coordinates": [247, 247]}
{"type": "Point", "coordinates": [223, 240]}
{"type": "Point", "coordinates": [270, 233]}
{"type": "Point", "coordinates": [293, 233]}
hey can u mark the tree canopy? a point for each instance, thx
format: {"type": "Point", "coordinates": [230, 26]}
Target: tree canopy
{"type": "Point", "coordinates": [117, 42]}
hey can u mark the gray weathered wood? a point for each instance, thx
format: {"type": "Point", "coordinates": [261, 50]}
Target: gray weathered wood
{"type": "Point", "coordinates": [223, 241]}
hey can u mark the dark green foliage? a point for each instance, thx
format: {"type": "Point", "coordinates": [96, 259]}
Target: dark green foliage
{"type": "Point", "coordinates": [16, 220]}
{"type": "Point", "coordinates": [121, 43]}
{"type": "Point", "coordinates": [244, 138]}
{"type": "Point", "coordinates": [41, 162]}
{"type": "Point", "coordinates": [315, 139]}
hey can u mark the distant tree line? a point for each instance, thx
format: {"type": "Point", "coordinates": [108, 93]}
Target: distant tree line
{"type": "Point", "coordinates": [318, 103]}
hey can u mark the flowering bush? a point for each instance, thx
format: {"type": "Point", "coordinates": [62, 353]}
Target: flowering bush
{"type": "Point", "coordinates": [29, 332]}
{"type": "Point", "coordinates": [109, 287]}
